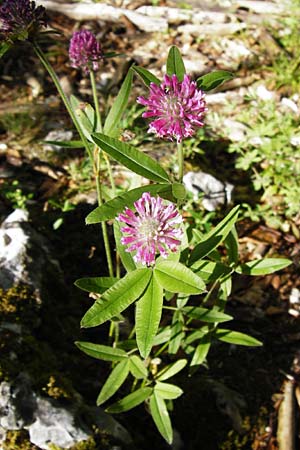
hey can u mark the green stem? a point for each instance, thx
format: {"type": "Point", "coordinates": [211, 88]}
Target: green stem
{"type": "Point", "coordinates": [180, 161]}
{"type": "Point", "coordinates": [103, 224]}
{"type": "Point", "coordinates": [39, 52]}
{"type": "Point", "coordinates": [96, 102]}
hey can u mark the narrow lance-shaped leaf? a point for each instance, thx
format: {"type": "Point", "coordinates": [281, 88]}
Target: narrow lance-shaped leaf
{"type": "Point", "coordinates": [137, 367]}
{"type": "Point", "coordinates": [147, 316]}
{"type": "Point", "coordinates": [213, 79]}
{"type": "Point", "coordinates": [112, 208]}
{"type": "Point", "coordinates": [97, 285]}
{"type": "Point", "coordinates": [131, 158]}
{"type": "Point", "coordinates": [175, 64]}
{"type": "Point", "coordinates": [215, 237]}
{"type": "Point", "coordinates": [202, 350]}
{"type": "Point", "coordinates": [206, 315]}
{"type": "Point", "coordinates": [161, 417]}
{"type": "Point", "coordinates": [114, 381]}
{"type": "Point", "coordinates": [235, 337]}
{"type": "Point", "coordinates": [146, 76]}
{"type": "Point", "coordinates": [175, 277]}
{"type": "Point", "coordinates": [66, 144]}
{"type": "Point", "coordinates": [171, 370]}
{"type": "Point", "coordinates": [168, 391]}
{"type": "Point", "coordinates": [263, 266]}
{"type": "Point", "coordinates": [114, 116]}
{"type": "Point", "coordinates": [177, 333]}
{"type": "Point", "coordinates": [103, 352]}
{"type": "Point", "coordinates": [130, 401]}
{"type": "Point", "coordinates": [117, 298]}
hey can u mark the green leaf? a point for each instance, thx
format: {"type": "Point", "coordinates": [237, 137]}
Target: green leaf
{"type": "Point", "coordinates": [147, 316]}
{"type": "Point", "coordinates": [117, 298]}
{"type": "Point", "coordinates": [263, 266]}
{"type": "Point", "coordinates": [137, 367]}
{"type": "Point", "coordinates": [215, 236]}
{"type": "Point", "coordinates": [175, 277]}
{"type": "Point", "coordinates": [179, 191]}
{"type": "Point", "coordinates": [197, 334]}
{"type": "Point", "coordinates": [103, 352]}
{"type": "Point", "coordinates": [235, 337]}
{"type": "Point", "coordinates": [130, 401]}
{"type": "Point", "coordinates": [86, 117]}
{"type": "Point", "coordinates": [175, 64]}
{"type": "Point", "coordinates": [206, 315]}
{"type": "Point", "coordinates": [118, 108]}
{"type": "Point", "coordinates": [161, 417]}
{"type": "Point", "coordinates": [114, 381]}
{"type": "Point", "coordinates": [232, 246]}
{"type": "Point", "coordinates": [177, 333]}
{"type": "Point", "coordinates": [126, 257]}
{"type": "Point", "coordinates": [167, 391]}
{"type": "Point", "coordinates": [97, 285]}
{"type": "Point", "coordinates": [202, 350]}
{"type": "Point", "coordinates": [171, 370]}
{"type": "Point", "coordinates": [213, 79]}
{"type": "Point", "coordinates": [209, 270]}
{"type": "Point", "coordinates": [4, 47]}
{"type": "Point", "coordinates": [112, 208]}
{"type": "Point", "coordinates": [131, 158]}
{"type": "Point", "coordinates": [146, 76]}
{"type": "Point", "coordinates": [163, 336]}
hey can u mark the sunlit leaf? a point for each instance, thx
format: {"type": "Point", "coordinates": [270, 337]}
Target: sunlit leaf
{"type": "Point", "coordinates": [215, 236]}
{"type": "Point", "coordinates": [114, 381]}
{"type": "Point", "coordinates": [146, 76]}
{"type": "Point", "coordinates": [213, 79]}
{"type": "Point", "coordinates": [175, 277]}
{"type": "Point", "coordinates": [112, 121]}
{"type": "Point", "coordinates": [130, 157]}
{"type": "Point", "coordinates": [103, 352]}
{"type": "Point", "coordinates": [201, 350]}
{"type": "Point", "coordinates": [147, 316]}
{"type": "Point", "coordinates": [167, 391]}
{"type": "Point", "coordinates": [161, 417]}
{"type": "Point", "coordinates": [97, 285]}
{"type": "Point", "coordinates": [206, 315]}
{"type": "Point", "coordinates": [130, 401]}
{"type": "Point", "coordinates": [235, 337]}
{"type": "Point", "coordinates": [117, 298]}
{"type": "Point", "coordinates": [175, 64]}
{"type": "Point", "coordinates": [137, 367]}
{"type": "Point", "coordinates": [263, 266]}
{"type": "Point", "coordinates": [112, 208]}
{"type": "Point", "coordinates": [171, 370]}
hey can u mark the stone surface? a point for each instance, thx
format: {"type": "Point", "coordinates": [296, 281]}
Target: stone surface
{"type": "Point", "coordinates": [48, 421]}
{"type": "Point", "coordinates": [216, 193]}
{"type": "Point", "coordinates": [24, 253]}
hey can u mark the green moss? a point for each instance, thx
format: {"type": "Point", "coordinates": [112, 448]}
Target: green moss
{"type": "Point", "coordinates": [18, 440]}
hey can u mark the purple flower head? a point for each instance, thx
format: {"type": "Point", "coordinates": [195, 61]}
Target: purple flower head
{"type": "Point", "coordinates": [85, 51]}
{"type": "Point", "coordinates": [153, 228]}
{"type": "Point", "coordinates": [21, 19]}
{"type": "Point", "coordinates": [179, 108]}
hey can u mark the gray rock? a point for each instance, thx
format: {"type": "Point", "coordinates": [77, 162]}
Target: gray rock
{"type": "Point", "coordinates": [48, 421]}
{"type": "Point", "coordinates": [215, 192]}
{"type": "Point", "coordinates": [24, 254]}
{"type": "Point", "coordinates": [57, 135]}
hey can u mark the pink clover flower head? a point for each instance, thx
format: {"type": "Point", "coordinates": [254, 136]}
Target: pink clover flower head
{"type": "Point", "coordinates": [154, 227]}
{"type": "Point", "coordinates": [178, 107]}
{"type": "Point", "coordinates": [20, 19]}
{"type": "Point", "coordinates": [85, 51]}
